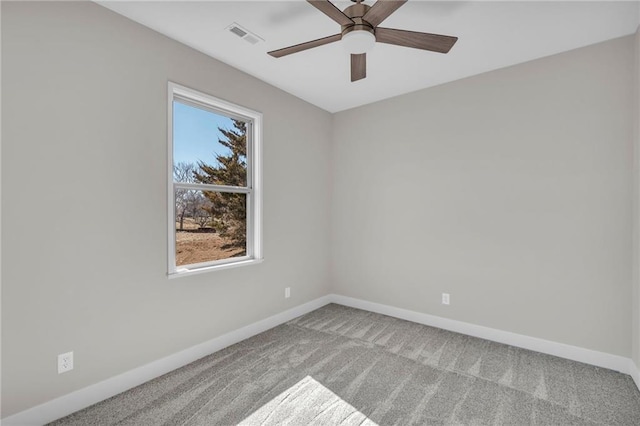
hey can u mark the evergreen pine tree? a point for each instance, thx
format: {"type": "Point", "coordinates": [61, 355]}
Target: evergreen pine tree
{"type": "Point", "coordinates": [228, 210]}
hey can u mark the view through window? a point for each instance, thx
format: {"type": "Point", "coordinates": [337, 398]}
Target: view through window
{"type": "Point", "coordinates": [212, 185]}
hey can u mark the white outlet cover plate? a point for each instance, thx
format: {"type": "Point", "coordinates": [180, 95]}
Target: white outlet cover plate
{"type": "Point", "coordinates": [65, 362]}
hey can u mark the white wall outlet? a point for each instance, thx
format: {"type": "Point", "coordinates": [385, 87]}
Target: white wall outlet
{"type": "Point", "coordinates": [287, 292]}
{"type": "Point", "coordinates": [445, 298]}
{"type": "Point", "coordinates": [65, 362]}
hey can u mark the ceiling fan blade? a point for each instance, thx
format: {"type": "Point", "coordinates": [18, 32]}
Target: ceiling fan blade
{"type": "Point", "coordinates": [381, 11]}
{"type": "Point", "coordinates": [304, 46]}
{"type": "Point", "coordinates": [358, 66]}
{"type": "Point", "coordinates": [329, 9]}
{"type": "Point", "coordinates": [425, 41]}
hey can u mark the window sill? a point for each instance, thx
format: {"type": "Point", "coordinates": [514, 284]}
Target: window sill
{"type": "Point", "coordinates": [187, 272]}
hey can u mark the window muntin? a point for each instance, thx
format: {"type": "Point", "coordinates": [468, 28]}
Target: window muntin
{"type": "Point", "coordinates": [214, 188]}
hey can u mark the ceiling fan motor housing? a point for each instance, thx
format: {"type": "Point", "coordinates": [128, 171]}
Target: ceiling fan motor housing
{"type": "Point", "coordinates": [356, 12]}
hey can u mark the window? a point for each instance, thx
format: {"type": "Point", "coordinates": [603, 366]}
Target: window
{"type": "Point", "coordinates": [214, 183]}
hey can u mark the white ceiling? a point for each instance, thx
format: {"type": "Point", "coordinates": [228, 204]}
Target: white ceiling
{"type": "Point", "coordinates": [491, 35]}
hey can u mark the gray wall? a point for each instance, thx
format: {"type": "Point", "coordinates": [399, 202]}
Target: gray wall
{"type": "Point", "coordinates": [509, 190]}
{"type": "Point", "coordinates": [84, 201]}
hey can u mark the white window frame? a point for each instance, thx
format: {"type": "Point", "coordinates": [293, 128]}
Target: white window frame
{"type": "Point", "coordinates": [253, 188]}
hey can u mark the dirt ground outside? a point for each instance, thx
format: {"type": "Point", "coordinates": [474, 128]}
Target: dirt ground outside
{"type": "Point", "coordinates": [194, 245]}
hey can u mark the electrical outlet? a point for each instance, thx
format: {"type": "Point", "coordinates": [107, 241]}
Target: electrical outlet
{"type": "Point", "coordinates": [65, 362]}
{"type": "Point", "coordinates": [445, 298]}
{"type": "Point", "coordinates": [287, 292]}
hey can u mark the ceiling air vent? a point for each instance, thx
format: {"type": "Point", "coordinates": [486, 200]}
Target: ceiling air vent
{"type": "Point", "coordinates": [244, 33]}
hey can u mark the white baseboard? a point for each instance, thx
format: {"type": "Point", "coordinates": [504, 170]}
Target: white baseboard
{"type": "Point", "coordinates": [634, 372]}
{"type": "Point", "coordinates": [82, 398]}
{"type": "Point", "coordinates": [575, 353]}
{"type": "Point", "coordinates": [85, 397]}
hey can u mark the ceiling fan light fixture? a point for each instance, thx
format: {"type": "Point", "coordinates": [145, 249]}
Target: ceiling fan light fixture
{"type": "Point", "coordinates": [358, 41]}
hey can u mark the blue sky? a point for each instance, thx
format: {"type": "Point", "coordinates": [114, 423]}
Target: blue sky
{"type": "Point", "coordinates": [195, 134]}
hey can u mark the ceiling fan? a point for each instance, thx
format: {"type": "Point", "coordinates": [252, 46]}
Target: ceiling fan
{"type": "Point", "coordinates": [360, 31]}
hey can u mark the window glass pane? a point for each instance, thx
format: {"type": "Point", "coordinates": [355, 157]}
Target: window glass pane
{"type": "Point", "coordinates": [209, 226]}
{"type": "Point", "coordinates": [208, 147]}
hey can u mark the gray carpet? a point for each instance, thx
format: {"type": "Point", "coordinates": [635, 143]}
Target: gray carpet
{"type": "Point", "coordinates": [344, 366]}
